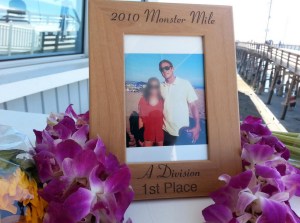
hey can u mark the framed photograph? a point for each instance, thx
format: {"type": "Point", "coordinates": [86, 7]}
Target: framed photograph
{"type": "Point", "coordinates": [163, 94]}
{"type": "Point", "coordinates": [164, 99]}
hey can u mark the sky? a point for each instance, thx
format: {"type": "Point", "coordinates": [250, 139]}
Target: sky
{"type": "Point", "coordinates": [140, 67]}
{"type": "Point", "coordinates": [250, 19]}
{"type": "Point", "coordinates": [250, 16]}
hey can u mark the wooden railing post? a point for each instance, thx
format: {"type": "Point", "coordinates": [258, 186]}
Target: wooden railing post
{"type": "Point", "coordinates": [269, 51]}
{"type": "Point", "coordinates": [297, 62]}
{"type": "Point", "coordinates": [243, 62]}
{"type": "Point", "coordinates": [43, 38]}
{"type": "Point", "coordinates": [263, 79]}
{"type": "Point", "coordinates": [57, 41]}
{"type": "Point", "coordinates": [257, 74]}
{"type": "Point", "coordinates": [277, 71]}
{"type": "Point", "coordinates": [287, 99]}
{"type": "Point", "coordinates": [264, 50]}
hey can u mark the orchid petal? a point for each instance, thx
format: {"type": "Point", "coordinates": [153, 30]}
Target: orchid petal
{"type": "Point", "coordinates": [225, 177]}
{"type": "Point", "coordinates": [62, 131]}
{"type": "Point", "coordinates": [253, 139]}
{"type": "Point", "coordinates": [68, 167]}
{"type": "Point", "coordinates": [96, 184]}
{"type": "Point", "coordinates": [70, 112]}
{"type": "Point", "coordinates": [123, 200]}
{"type": "Point", "coordinates": [69, 123]}
{"type": "Point", "coordinates": [54, 118]}
{"type": "Point", "coordinates": [252, 120]}
{"type": "Point", "coordinates": [38, 136]}
{"type": "Point", "coordinates": [286, 154]}
{"type": "Point", "coordinates": [71, 211]}
{"type": "Point", "coordinates": [292, 216]}
{"type": "Point", "coordinates": [100, 210]}
{"type": "Point", "coordinates": [275, 143]}
{"type": "Point", "coordinates": [244, 218]}
{"type": "Point", "coordinates": [118, 181]}
{"type": "Point", "coordinates": [280, 197]}
{"type": "Point", "coordinates": [257, 153]}
{"type": "Point", "coordinates": [46, 165]}
{"type": "Point", "coordinates": [90, 144]}
{"type": "Point", "coordinates": [100, 150]}
{"type": "Point", "coordinates": [81, 135]}
{"type": "Point", "coordinates": [242, 180]}
{"type": "Point", "coordinates": [56, 214]}
{"type": "Point", "coordinates": [245, 198]}
{"type": "Point", "coordinates": [48, 140]}
{"type": "Point", "coordinates": [66, 149]}
{"type": "Point", "coordinates": [84, 118]}
{"type": "Point", "coordinates": [227, 196]}
{"type": "Point", "coordinates": [281, 168]}
{"type": "Point", "coordinates": [256, 129]}
{"type": "Point", "coordinates": [79, 210]}
{"type": "Point", "coordinates": [266, 172]}
{"type": "Point", "coordinates": [217, 213]}
{"type": "Point", "coordinates": [54, 191]}
{"type": "Point", "coordinates": [81, 165]}
{"type": "Point", "coordinates": [292, 184]}
{"type": "Point", "coordinates": [272, 211]}
{"type": "Point", "coordinates": [111, 163]}
{"type": "Point", "coordinates": [269, 189]}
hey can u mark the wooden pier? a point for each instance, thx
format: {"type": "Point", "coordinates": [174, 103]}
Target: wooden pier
{"type": "Point", "coordinates": [270, 69]}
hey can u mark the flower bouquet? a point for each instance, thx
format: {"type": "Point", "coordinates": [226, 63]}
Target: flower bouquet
{"type": "Point", "coordinates": [262, 192]}
{"type": "Point", "coordinates": [68, 177]}
{"type": "Point", "coordinates": [76, 179]}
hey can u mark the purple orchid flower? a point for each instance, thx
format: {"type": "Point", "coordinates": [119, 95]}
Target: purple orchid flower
{"type": "Point", "coordinates": [73, 209]}
{"type": "Point", "coordinates": [108, 187]}
{"type": "Point", "coordinates": [81, 180]}
{"type": "Point", "coordinates": [254, 132]}
{"type": "Point", "coordinates": [262, 192]}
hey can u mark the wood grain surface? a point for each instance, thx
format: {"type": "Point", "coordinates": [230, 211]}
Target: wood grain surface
{"type": "Point", "coordinates": [107, 104]}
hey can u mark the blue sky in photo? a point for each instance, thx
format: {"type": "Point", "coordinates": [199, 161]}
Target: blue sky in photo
{"type": "Point", "coordinates": [141, 66]}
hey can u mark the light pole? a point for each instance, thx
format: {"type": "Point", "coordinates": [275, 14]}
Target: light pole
{"type": "Point", "coordinates": [268, 21]}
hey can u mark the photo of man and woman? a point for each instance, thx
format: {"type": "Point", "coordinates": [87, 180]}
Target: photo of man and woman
{"type": "Point", "coordinates": [165, 100]}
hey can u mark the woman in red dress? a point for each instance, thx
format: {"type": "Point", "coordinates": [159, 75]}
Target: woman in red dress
{"type": "Point", "coordinates": [151, 114]}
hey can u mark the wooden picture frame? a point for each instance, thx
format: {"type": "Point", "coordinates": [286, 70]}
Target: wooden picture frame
{"type": "Point", "coordinates": [109, 22]}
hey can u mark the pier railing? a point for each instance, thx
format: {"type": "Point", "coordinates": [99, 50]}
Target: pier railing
{"type": "Point", "coordinates": [23, 32]}
{"type": "Point", "coordinates": [281, 57]}
{"type": "Point", "coordinates": [265, 66]}
{"type": "Point", "coordinates": [17, 38]}
{"type": "Point", "coordinates": [287, 46]}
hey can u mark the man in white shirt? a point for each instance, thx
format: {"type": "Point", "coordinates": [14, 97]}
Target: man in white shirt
{"type": "Point", "coordinates": [179, 97]}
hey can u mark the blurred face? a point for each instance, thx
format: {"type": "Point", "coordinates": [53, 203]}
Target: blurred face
{"type": "Point", "coordinates": [154, 88]}
{"type": "Point", "coordinates": [166, 70]}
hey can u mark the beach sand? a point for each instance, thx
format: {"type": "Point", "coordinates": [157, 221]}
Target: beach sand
{"type": "Point", "coordinates": [132, 100]}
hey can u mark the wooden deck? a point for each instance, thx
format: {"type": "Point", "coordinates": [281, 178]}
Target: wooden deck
{"type": "Point", "coordinates": [271, 121]}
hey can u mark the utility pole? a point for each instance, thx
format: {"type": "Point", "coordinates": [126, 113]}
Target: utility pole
{"type": "Point", "coordinates": [268, 21]}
